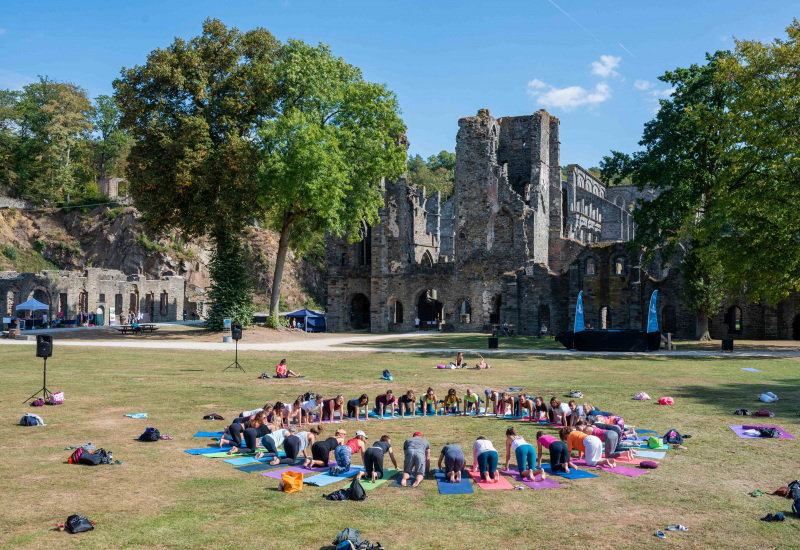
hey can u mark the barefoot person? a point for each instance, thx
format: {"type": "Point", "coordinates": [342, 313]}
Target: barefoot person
{"type": "Point", "coordinates": [454, 462]}
{"type": "Point", "coordinates": [482, 364]}
{"type": "Point", "coordinates": [273, 440]}
{"type": "Point", "coordinates": [281, 371]}
{"type": "Point", "coordinates": [355, 405]}
{"type": "Point", "coordinates": [344, 452]}
{"type": "Point", "coordinates": [310, 408]}
{"type": "Point", "coordinates": [330, 406]}
{"type": "Point", "coordinates": [253, 429]}
{"type": "Point", "coordinates": [587, 446]}
{"type": "Point", "coordinates": [485, 458]}
{"type": "Point", "coordinates": [460, 364]}
{"type": "Point", "coordinates": [452, 403]}
{"type": "Point", "coordinates": [494, 397]}
{"type": "Point", "coordinates": [524, 453]}
{"type": "Point", "coordinates": [321, 450]}
{"type": "Point", "coordinates": [471, 403]}
{"type": "Point", "coordinates": [429, 404]}
{"type": "Point", "coordinates": [296, 444]}
{"type": "Point", "coordinates": [385, 401]}
{"type": "Point", "coordinates": [417, 460]}
{"type": "Point", "coordinates": [373, 458]}
{"type": "Point", "coordinates": [610, 439]}
{"type": "Point", "coordinates": [559, 453]}
{"type": "Point", "coordinates": [408, 404]}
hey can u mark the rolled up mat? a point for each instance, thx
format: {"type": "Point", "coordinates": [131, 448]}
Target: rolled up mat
{"type": "Point", "coordinates": [447, 488]}
{"type": "Point", "coordinates": [387, 475]}
{"type": "Point", "coordinates": [409, 483]}
{"type": "Point", "coordinates": [321, 480]}
{"type": "Point", "coordinates": [548, 483]}
{"type": "Point", "coordinates": [574, 473]}
{"type": "Point", "coordinates": [502, 484]}
{"type": "Point", "coordinates": [277, 473]}
{"type": "Point", "coordinates": [622, 470]}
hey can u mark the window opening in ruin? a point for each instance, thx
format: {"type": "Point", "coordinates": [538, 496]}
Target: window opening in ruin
{"type": "Point", "coordinates": [735, 320]}
{"type": "Point", "coordinates": [134, 299]}
{"type": "Point", "coordinates": [118, 305]}
{"type": "Point", "coordinates": [426, 260]}
{"type": "Point", "coordinates": [12, 301]}
{"type": "Point", "coordinates": [669, 319]}
{"type": "Point", "coordinates": [564, 212]}
{"type": "Point", "coordinates": [398, 312]}
{"type": "Point", "coordinates": [101, 298]}
{"type": "Point", "coordinates": [62, 303]}
{"type": "Point", "coordinates": [544, 319]}
{"type": "Point", "coordinates": [429, 310]}
{"type": "Point", "coordinates": [465, 312]}
{"type": "Point", "coordinates": [83, 302]}
{"type": "Point", "coordinates": [796, 327]}
{"type": "Point", "coordinates": [44, 297]}
{"type": "Point", "coordinates": [164, 303]}
{"type": "Point", "coordinates": [497, 303]}
{"type": "Point", "coordinates": [591, 267]}
{"type": "Point", "coordinates": [359, 312]}
{"type": "Point", "coordinates": [605, 318]}
{"type": "Point", "coordinates": [619, 266]}
{"type": "Point", "coordinates": [364, 247]}
{"type": "Point", "coordinates": [149, 305]}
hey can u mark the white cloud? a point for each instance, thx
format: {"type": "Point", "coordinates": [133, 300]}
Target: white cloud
{"type": "Point", "coordinates": [605, 67]}
{"type": "Point", "coordinates": [642, 85]}
{"type": "Point", "coordinates": [570, 97]}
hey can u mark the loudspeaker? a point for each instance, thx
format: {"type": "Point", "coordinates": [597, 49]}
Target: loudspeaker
{"type": "Point", "coordinates": [494, 342]}
{"type": "Point", "coordinates": [727, 344]}
{"type": "Point", "coordinates": [236, 331]}
{"type": "Point", "coordinates": [44, 345]}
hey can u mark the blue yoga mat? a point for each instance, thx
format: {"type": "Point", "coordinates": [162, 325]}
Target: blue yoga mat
{"type": "Point", "coordinates": [242, 460]}
{"type": "Point", "coordinates": [447, 488]}
{"type": "Point", "coordinates": [650, 454]}
{"type": "Point", "coordinates": [574, 473]}
{"type": "Point", "coordinates": [261, 466]}
{"type": "Point", "coordinates": [645, 432]}
{"type": "Point", "coordinates": [207, 450]}
{"type": "Point", "coordinates": [385, 416]}
{"type": "Point", "coordinates": [208, 434]}
{"type": "Point", "coordinates": [321, 480]}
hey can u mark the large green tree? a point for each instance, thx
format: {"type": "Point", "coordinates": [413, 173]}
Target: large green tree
{"type": "Point", "coordinates": [192, 112]}
{"type": "Point", "coordinates": [324, 155]}
{"type": "Point", "coordinates": [110, 140]}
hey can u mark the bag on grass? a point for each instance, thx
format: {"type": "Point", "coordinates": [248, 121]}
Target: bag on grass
{"type": "Point", "coordinates": [150, 434]}
{"type": "Point", "coordinates": [56, 398]}
{"type": "Point", "coordinates": [764, 412]}
{"type": "Point", "coordinates": [768, 397]}
{"type": "Point", "coordinates": [673, 436]}
{"type": "Point", "coordinates": [666, 401]}
{"type": "Point", "coordinates": [292, 482]}
{"type": "Point", "coordinates": [95, 458]}
{"type": "Point", "coordinates": [768, 432]}
{"type": "Point", "coordinates": [78, 524]}
{"type": "Point", "coordinates": [39, 402]}
{"type": "Point", "coordinates": [75, 457]}
{"type": "Point", "coordinates": [654, 442]}
{"type": "Point", "coordinates": [349, 534]}
{"type": "Point", "coordinates": [341, 494]}
{"type": "Point", "coordinates": [742, 412]}
{"type": "Point", "coordinates": [357, 491]}
{"type": "Point", "coordinates": [793, 490]}
{"type": "Point", "coordinates": [31, 420]}
{"type": "Point", "coordinates": [641, 396]}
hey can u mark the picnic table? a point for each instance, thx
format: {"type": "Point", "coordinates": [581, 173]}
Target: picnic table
{"type": "Point", "coordinates": [146, 327]}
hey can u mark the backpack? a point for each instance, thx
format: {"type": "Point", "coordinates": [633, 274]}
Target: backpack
{"type": "Point", "coordinates": [353, 535]}
{"type": "Point", "coordinates": [75, 457]}
{"type": "Point", "coordinates": [341, 494]}
{"type": "Point", "coordinates": [95, 458]}
{"type": "Point", "coordinates": [673, 436]}
{"type": "Point", "coordinates": [308, 396]}
{"type": "Point", "coordinates": [768, 432]}
{"type": "Point", "coordinates": [31, 420]}
{"type": "Point", "coordinates": [387, 375]}
{"type": "Point", "coordinates": [150, 434]}
{"type": "Point", "coordinates": [78, 524]}
{"type": "Point", "coordinates": [357, 491]}
{"type": "Point", "coordinates": [793, 490]}
{"type": "Point", "coordinates": [38, 403]}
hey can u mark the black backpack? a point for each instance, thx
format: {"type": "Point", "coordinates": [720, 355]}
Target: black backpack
{"type": "Point", "coordinates": [357, 491]}
{"type": "Point", "coordinates": [78, 524]}
{"type": "Point", "coordinates": [793, 490]}
{"type": "Point", "coordinates": [768, 432]}
{"type": "Point", "coordinates": [309, 396]}
{"type": "Point", "coordinates": [94, 458]}
{"type": "Point", "coordinates": [341, 494]}
{"type": "Point", "coordinates": [150, 435]}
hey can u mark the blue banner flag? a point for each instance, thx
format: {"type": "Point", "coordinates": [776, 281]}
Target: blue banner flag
{"type": "Point", "coordinates": [652, 315]}
{"type": "Point", "coordinates": [579, 325]}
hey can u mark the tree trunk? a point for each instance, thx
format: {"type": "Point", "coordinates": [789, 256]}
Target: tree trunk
{"type": "Point", "coordinates": [702, 327]}
{"type": "Point", "coordinates": [283, 248]}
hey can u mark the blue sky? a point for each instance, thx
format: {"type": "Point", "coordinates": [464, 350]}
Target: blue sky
{"type": "Point", "coordinates": [591, 63]}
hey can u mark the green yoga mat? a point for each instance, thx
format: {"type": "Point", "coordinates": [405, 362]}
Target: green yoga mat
{"type": "Point", "coordinates": [387, 475]}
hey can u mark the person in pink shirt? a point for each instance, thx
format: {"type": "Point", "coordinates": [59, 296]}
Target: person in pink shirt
{"type": "Point", "coordinates": [559, 454]}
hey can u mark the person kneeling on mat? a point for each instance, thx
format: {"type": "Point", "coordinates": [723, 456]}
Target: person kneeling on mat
{"type": "Point", "coordinates": [296, 444]}
{"type": "Point", "coordinates": [373, 458]}
{"type": "Point", "coordinates": [454, 462]}
{"type": "Point", "coordinates": [273, 440]}
{"type": "Point", "coordinates": [524, 453]}
{"type": "Point", "coordinates": [344, 453]}
{"type": "Point", "coordinates": [417, 459]}
{"type": "Point", "coordinates": [559, 453]}
{"type": "Point", "coordinates": [588, 446]}
{"type": "Point", "coordinates": [321, 450]}
{"type": "Point", "coordinates": [484, 457]}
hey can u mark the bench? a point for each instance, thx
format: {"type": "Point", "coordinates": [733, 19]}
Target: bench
{"type": "Point", "coordinates": [125, 329]}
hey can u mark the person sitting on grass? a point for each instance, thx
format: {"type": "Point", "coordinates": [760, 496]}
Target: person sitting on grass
{"type": "Point", "coordinates": [281, 371]}
{"type": "Point", "coordinates": [296, 444]}
{"type": "Point", "coordinates": [471, 403]}
{"type": "Point", "coordinates": [562, 411]}
{"type": "Point", "coordinates": [330, 406]}
{"type": "Point", "coordinates": [253, 429]}
{"type": "Point", "coordinates": [559, 453]}
{"type": "Point", "coordinates": [483, 364]}
{"type": "Point", "coordinates": [588, 447]}
{"type": "Point", "coordinates": [385, 401]}
{"type": "Point", "coordinates": [273, 440]}
{"type": "Point", "coordinates": [610, 439]}
{"type": "Point", "coordinates": [429, 404]}
{"type": "Point", "coordinates": [485, 458]}
{"type": "Point", "coordinates": [524, 453]}
{"type": "Point", "coordinates": [460, 364]}
{"type": "Point", "coordinates": [452, 403]}
{"type": "Point", "coordinates": [344, 453]}
{"type": "Point", "coordinates": [454, 462]}
{"type": "Point", "coordinates": [355, 405]}
{"type": "Point", "coordinates": [417, 460]}
{"type": "Point", "coordinates": [321, 450]}
{"type": "Point", "coordinates": [408, 404]}
{"type": "Point", "coordinates": [373, 459]}
{"type": "Point", "coordinates": [310, 407]}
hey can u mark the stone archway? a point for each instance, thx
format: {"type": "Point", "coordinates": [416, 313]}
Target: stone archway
{"type": "Point", "coordinates": [429, 310]}
{"type": "Point", "coordinates": [359, 312]}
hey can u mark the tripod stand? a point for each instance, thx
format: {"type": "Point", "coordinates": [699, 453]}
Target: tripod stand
{"type": "Point", "coordinates": [44, 391]}
{"type": "Point", "coordinates": [235, 364]}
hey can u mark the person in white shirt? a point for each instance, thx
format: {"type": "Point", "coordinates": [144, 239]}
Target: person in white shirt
{"type": "Point", "coordinates": [562, 412]}
{"type": "Point", "coordinates": [310, 407]}
{"type": "Point", "coordinates": [485, 458]}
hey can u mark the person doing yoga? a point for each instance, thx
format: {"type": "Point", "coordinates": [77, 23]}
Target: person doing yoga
{"type": "Point", "coordinates": [417, 460]}
{"type": "Point", "coordinates": [344, 453]}
{"type": "Point", "coordinates": [373, 459]}
{"type": "Point", "coordinates": [429, 404]}
{"type": "Point", "coordinates": [330, 406]}
{"type": "Point", "coordinates": [588, 446]}
{"type": "Point", "coordinates": [485, 458]}
{"type": "Point", "coordinates": [452, 403]}
{"type": "Point", "coordinates": [483, 364]}
{"type": "Point", "coordinates": [253, 429]}
{"type": "Point", "coordinates": [460, 364]}
{"type": "Point", "coordinates": [543, 411]}
{"type": "Point", "coordinates": [559, 453]}
{"type": "Point", "coordinates": [471, 403]}
{"type": "Point", "coordinates": [524, 453]}
{"type": "Point", "coordinates": [454, 462]}
{"type": "Point", "coordinates": [310, 407]}
{"type": "Point", "coordinates": [610, 439]}
{"type": "Point", "coordinates": [385, 402]}
{"type": "Point", "coordinates": [293, 411]}
{"type": "Point", "coordinates": [562, 411]}
{"type": "Point", "coordinates": [408, 404]}
{"type": "Point", "coordinates": [321, 450]}
{"type": "Point", "coordinates": [273, 440]}
{"type": "Point", "coordinates": [281, 371]}
{"type": "Point", "coordinates": [355, 405]}
{"type": "Point", "coordinates": [494, 397]}
{"type": "Point", "coordinates": [296, 444]}
{"type": "Point", "coordinates": [526, 404]}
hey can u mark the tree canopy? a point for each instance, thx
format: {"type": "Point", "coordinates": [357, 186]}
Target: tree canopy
{"type": "Point", "coordinates": [435, 174]}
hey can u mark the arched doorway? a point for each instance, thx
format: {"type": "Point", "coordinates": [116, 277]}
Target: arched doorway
{"type": "Point", "coordinates": [134, 299]}
{"type": "Point", "coordinates": [41, 295]}
{"type": "Point", "coordinates": [544, 320]}
{"type": "Point", "coordinates": [149, 306]}
{"type": "Point", "coordinates": [796, 327]}
{"type": "Point", "coordinates": [397, 311]}
{"type": "Point", "coordinates": [494, 314]}
{"type": "Point", "coordinates": [359, 312]}
{"type": "Point", "coordinates": [465, 311]}
{"type": "Point", "coordinates": [734, 320]}
{"type": "Point", "coordinates": [429, 310]}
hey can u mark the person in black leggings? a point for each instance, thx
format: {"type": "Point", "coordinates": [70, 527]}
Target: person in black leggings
{"type": "Point", "coordinates": [296, 444]}
{"type": "Point", "coordinates": [321, 450]}
{"type": "Point", "coordinates": [407, 404]}
{"type": "Point", "coordinates": [354, 406]}
{"type": "Point", "coordinates": [253, 430]}
{"type": "Point", "coordinates": [373, 458]}
{"type": "Point", "coordinates": [559, 453]}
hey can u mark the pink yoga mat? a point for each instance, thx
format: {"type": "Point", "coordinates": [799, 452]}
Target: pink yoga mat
{"type": "Point", "coordinates": [540, 483]}
{"type": "Point", "coordinates": [502, 484]}
{"type": "Point", "coordinates": [635, 461]}
{"type": "Point", "coordinates": [739, 430]}
{"type": "Point", "coordinates": [624, 470]}
{"type": "Point", "coordinates": [276, 474]}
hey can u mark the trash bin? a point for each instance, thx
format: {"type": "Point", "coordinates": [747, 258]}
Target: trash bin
{"type": "Point", "coordinates": [727, 344]}
{"type": "Point", "coordinates": [494, 342]}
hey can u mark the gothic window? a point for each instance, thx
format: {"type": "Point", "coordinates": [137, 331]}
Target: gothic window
{"type": "Point", "coordinates": [164, 306]}
{"type": "Point", "coordinates": [619, 266]}
{"type": "Point", "coordinates": [426, 260]}
{"type": "Point", "coordinates": [591, 266]}
{"type": "Point", "coordinates": [735, 320]}
{"type": "Point", "coordinates": [465, 310]}
{"type": "Point", "coordinates": [364, 247]}
{"type": "Point", "coordinates": [397, 313]}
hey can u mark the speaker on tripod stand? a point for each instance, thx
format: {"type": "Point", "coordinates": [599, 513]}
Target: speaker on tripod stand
{"type": "Point", "coordinates": [44, 349]}
{"type": "Point", "coordinates": [236, 334]}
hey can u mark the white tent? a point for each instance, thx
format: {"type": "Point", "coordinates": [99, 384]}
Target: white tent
{"type": "Point", "coordinates": [32, 305]}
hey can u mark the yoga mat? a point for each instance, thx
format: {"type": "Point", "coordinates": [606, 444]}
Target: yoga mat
{"type": "Point", "coordinates": [739, 430]}
{"type": "Point", "coordinates": [242, 460]}
{"type": "Point", "coordinates": [751, 369]}
{"type": "Point", "coordinates": [650, 454]}
{"type": "Point", "coordinates": [574, 473]}
{"type": "Point", "coordinates": [387, 475]}
{"type": "Point", "coordinates": [385, 416]}
{"type": "Point", "coordinates": [206, 450]}
{"type": "Point", "coordinates": [410, 482]}
{"type": "Point", "coordinates": [548, 483]}
{"type": "Point", "coordinates": [447, 488]}
{"type": "Point", "coordinates": [486, 486]}
{"type": "Point", "coordinates": [226, 455]}
{"type": "Point", "coordinates": [208, 434]}
{"type": "Point", "coordinates": [663, 447]}
{"type": "Point", "coordinates": [635, 461]}
{"type": "Point", "coordinates": [261, 466]}
{"type": "Point", "coordinates": [276, 474]}
{"type": "Point", "coordinates": [645, 432]}
{"type": "Point", "coordinates": [624, 470]}
{"type": "Point", "coordinates": [320, 480]}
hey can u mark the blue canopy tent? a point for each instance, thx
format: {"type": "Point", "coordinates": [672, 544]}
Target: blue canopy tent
{"type": "Point", "coordinates": [312, 321]}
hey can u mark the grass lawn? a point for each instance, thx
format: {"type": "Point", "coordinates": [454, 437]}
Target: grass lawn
{"type": "Point", "coordinates": [449, 340]}
{"type": "Point", "coordinates": [162, 497]}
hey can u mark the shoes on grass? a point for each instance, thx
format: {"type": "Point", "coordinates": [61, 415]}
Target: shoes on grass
{"type": "Point", "coordinates": [660, 534]}
{"type": "Point", "coordinates": [773, 517]}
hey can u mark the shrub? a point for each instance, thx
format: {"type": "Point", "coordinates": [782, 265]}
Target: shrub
{"type": "Point", "coordinates": [10, 252]}
{"type": "Point", "coordinates": [39, 245]}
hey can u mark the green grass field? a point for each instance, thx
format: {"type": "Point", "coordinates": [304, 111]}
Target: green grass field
{"type": "Point", "coordinates": [162, 497]}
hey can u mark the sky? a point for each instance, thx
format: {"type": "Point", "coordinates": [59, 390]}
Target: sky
{"type": "Point", "coordinates": [593, 64]}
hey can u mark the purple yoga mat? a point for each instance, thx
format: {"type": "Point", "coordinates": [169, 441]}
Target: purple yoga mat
{"type": "Point", "coordinates": [739, 430]}
{"type": "Point", "coordinates": [548, 483]}
{"type": "Point", "coordinates": [624, 470]}
{"type": "Point", "coordinates": [276, 474]}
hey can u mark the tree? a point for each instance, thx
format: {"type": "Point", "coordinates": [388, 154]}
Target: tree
{"type": "Point", "coordinates": [192, 112]}
{"type": "Point", "coordinates": [325, 153]}
{"type": "Point", "coordinates": [437, 174]}
{"type": "Point", "coordinates": [110, 140]}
